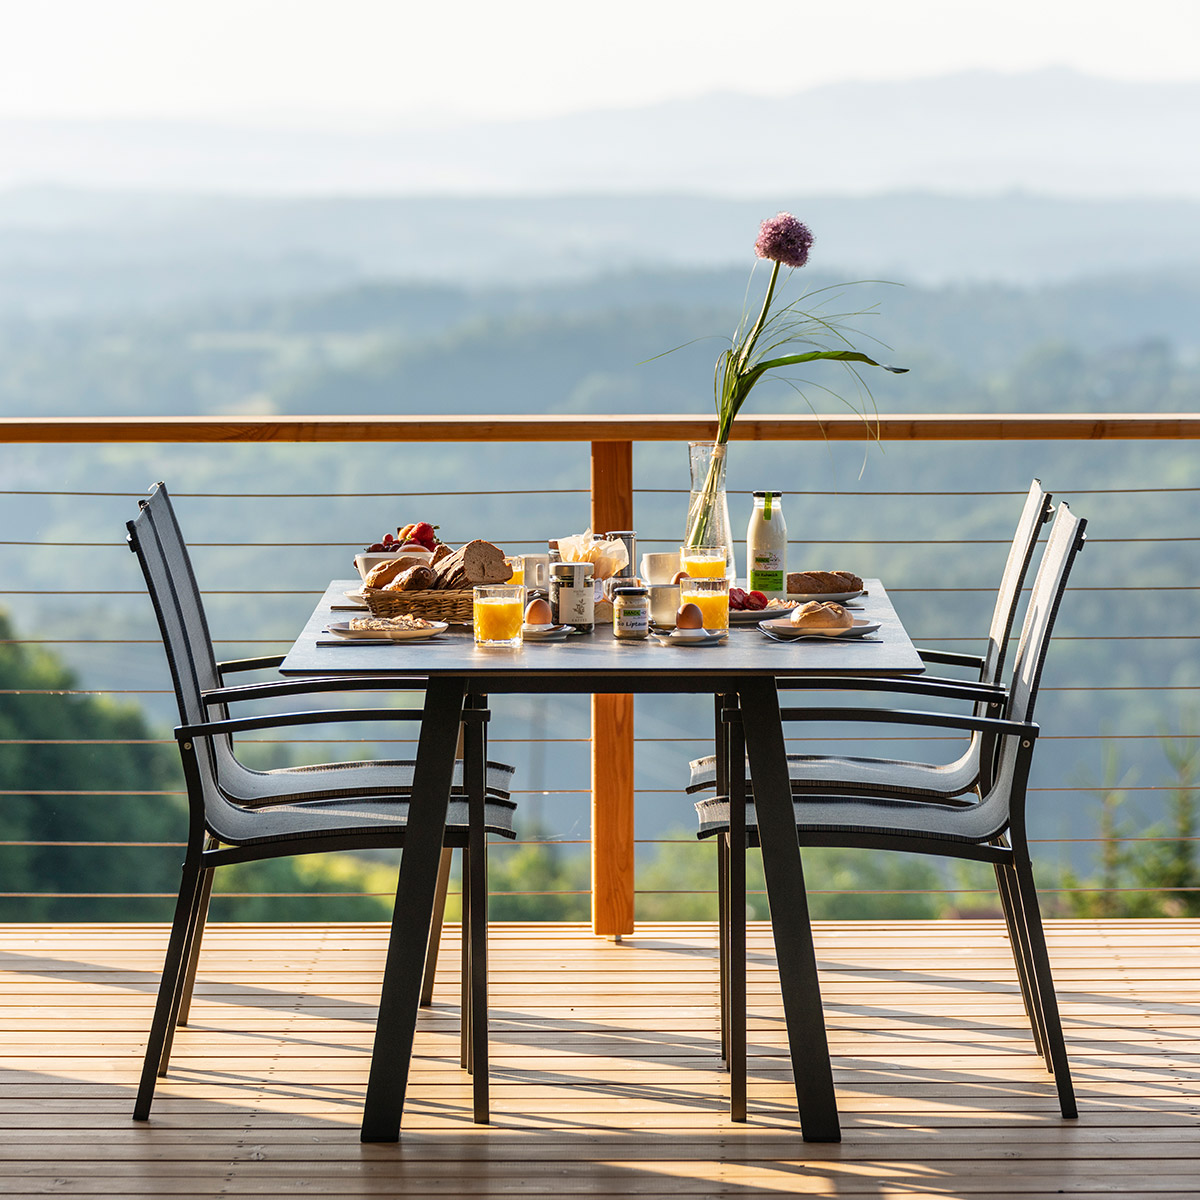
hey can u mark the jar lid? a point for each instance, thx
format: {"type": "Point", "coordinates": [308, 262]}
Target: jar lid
{"type": "Point", "coordinates": [768, 493]}
{"type": "Point", "coordinates": [630, 591]}
{"type": "Point", "coordinates": [569, 568]}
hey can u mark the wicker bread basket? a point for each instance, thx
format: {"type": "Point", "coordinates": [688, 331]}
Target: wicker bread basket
{"type": "Point", "coordinates": [435, 605]}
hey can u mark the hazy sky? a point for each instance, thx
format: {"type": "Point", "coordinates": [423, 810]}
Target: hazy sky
{"type": "Point", "coordinates": [390, 61]}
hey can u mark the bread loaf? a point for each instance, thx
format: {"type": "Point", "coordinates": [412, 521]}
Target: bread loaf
{"type": "Point", "coordinates": [475, 563]}
{"type": "Point", "coordinates": [818, 615]}
{"type": "Point", "coordinates": [381, 574]}
{"type": "Point", "coordinates": [416, 578]}
{"type": "Point", "coordinates": [808, 583]}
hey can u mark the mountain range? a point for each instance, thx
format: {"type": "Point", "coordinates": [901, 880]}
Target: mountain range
{"type": "Point", "coordinates": [1053, 132]}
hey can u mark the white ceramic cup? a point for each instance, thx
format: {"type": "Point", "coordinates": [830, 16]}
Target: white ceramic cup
{"type": "Point", "coordinates": [537, 571]}
{"type": "Point", "coordinates": [660, 568]}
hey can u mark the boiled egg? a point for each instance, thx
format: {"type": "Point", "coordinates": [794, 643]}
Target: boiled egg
{"type": "Point", "coordinates": [680, 576]}
{"type": "Point", "coordinates": [689, 616]}
{"type": "Point", "coordinates": [537, 612]}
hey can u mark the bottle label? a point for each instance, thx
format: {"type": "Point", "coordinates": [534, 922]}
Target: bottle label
{"type": "Point", "coordinates": [766, 573]}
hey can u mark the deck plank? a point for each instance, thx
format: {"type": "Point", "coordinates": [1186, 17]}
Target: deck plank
{"type": "Point", "coordinates": [605, 1076]}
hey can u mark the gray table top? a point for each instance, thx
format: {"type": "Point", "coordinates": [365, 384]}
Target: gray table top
{"type": "Point", "coordinates": [583, 661]}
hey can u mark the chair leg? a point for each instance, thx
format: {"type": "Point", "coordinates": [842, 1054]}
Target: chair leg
{"type": "Point", "coordinates": [736, 927]}
{"type": "Point", "coordinates": [182, 1001]}
{"type": "Point", "coordinates": [435, 930]}
{"type": "Point", "coordinates": [722, 789]}
{"type": "Point", "coordinates": [196, 936]}
{"type": "Point", "coordinates": [168, 988]}
{"type": "Point", "coordinates": [1056, 1047]}
{"type": "Point", "coordinates": [1014, 920]}
{"type": "Point", "coordinates": [464, 975]}
{"type": "Point", "coordinates": [722, 840]}
{"type": "Point", "coordinates": [475, 875]}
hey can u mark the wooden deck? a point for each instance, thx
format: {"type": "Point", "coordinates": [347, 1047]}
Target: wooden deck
{"type": "Point", "coordinates": [605, 1078]}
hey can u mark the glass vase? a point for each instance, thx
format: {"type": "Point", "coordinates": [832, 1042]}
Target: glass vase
{"type": "Point", "coordinates": [708, 507]}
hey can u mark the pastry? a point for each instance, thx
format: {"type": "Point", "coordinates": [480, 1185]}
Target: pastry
{"type": "Point", "coordinates": [381, 574]}
{"type": "Point", "coordinates": [416, 578]}
{"type": "Point", "coordinates": [821, 615]}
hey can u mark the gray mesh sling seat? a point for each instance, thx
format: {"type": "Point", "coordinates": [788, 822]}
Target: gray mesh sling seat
{"type": "Point", "coordinates": [991, 829]}
{"type": "Point", "coordinates": [238, 814]}
{"type": "Point", "coordinates": [847, 774]}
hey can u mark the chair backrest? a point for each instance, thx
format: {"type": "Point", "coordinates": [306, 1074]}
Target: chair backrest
{"type": "Point", "coordinates": [1066, 539]}
{"type": "Point", "coordinates": [155, 538]}
{"type": "Point", "coordinates": [1034, 514]}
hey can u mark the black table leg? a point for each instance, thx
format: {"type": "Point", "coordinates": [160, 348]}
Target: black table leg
{"type": "Point", "coordinates": [411, 918]}
{"type": "Point", "coordinates": [789, 912]}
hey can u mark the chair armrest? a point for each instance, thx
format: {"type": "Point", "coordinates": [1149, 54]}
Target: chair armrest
{"type": "Point", "coordinates": [306, 686]}
{"type": "Point", "coordinates": [249, 664]}
{"type": "Point", "coordinates": [950, 658]}
{"type": "Point", "coordinates": [921, 685]}
{"type": "Point", "coordinates": [184, 733]}
{"type": "Point", "coordinates": [900, 716]}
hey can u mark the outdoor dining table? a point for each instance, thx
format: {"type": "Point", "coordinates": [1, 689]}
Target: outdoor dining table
{"type": "Point", "coordinates": [459, 674]}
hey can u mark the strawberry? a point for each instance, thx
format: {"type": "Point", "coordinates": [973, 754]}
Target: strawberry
{"type": "Point", "coordinates": [423, 532]}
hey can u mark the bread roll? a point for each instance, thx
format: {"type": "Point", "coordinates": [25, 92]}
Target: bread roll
{"type": "Point", "coordinates": [381, 574]}
{"type": "Point", "coordinates": [415, 579]}
{"type": "Point", "coordinates": [818, 615]}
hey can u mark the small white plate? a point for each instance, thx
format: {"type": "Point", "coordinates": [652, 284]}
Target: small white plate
{"type": "Point", "coordinates": [693, 637]}
{"type": "Point", "coordinates": [342, 629]}
{"type": "Point", "coordinates": [546, 633]}
{"type": "Point", "coordinates": [836, 597]}
{"type": "Point", "coordinates": [752, 616]}
{"type": "Point", "coordinates": [782, 627]}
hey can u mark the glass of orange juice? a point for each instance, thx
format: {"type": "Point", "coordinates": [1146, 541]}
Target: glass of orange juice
{"type": "Point", "coordinates": [516, 564]}
{"type": "Point", "coordinates": [710, 596]}
{"type": "Point", "coordinates": [498, 609]}
{"type": "Point", "coordinates": [703, 562]}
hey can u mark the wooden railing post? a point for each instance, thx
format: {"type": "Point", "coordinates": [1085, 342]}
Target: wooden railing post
{"type": "Point", "coordinates": [612, 726]}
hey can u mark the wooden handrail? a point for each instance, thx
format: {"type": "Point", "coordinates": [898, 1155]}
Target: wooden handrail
{"type": "Point", "coordinates": [659, 427]}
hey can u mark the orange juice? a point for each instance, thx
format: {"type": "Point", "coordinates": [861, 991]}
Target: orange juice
{"type": "Point", "coordinates": [498, 618]}
{"type": "Point", "coordinates": [517, 566]}
{"type": "Point", "coordinates": [713, 605]}
{"type": "Point", "coordinates": [703, 565]}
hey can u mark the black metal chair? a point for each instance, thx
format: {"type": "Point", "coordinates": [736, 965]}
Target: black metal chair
{"type": "Point", "coordinates": [238, 814]}
{"type": "Point", "coordinates": [874, 776]}
{"type": "Point", "coordinates": [991, 829]}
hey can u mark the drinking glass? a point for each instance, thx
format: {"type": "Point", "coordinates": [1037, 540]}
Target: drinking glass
{"type": "Point", "coordinates": [516, 564]}
{"type": "Point", "coordinates": [498, 609]}
{"type": "Point", "coordinates": [710, 596]}
{"type": "Point", "coordinates": [704, 562]}
{"type": "Point", "coordinates": [658, 567]}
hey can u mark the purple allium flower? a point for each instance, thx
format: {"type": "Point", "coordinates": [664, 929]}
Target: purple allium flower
{"type": "Point", "coordinates": [784, 239]}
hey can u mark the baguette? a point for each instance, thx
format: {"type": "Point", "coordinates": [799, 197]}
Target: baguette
{"type": "Point", "coordinates": [806, 583]}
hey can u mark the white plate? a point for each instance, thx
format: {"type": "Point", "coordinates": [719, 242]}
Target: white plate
{"type": "Point", "coordinates": [752, 616]}
{"type": "Point", "coordinates": [546, 633]}
{"type": "Point", "coordinates": [836, 597]}
{"type": "Point", "coordinates": [782, 627]}
{"type": "Point", "coordinates": [693, 637]}
{"type": "Point", "coordinates": [342, 629]}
